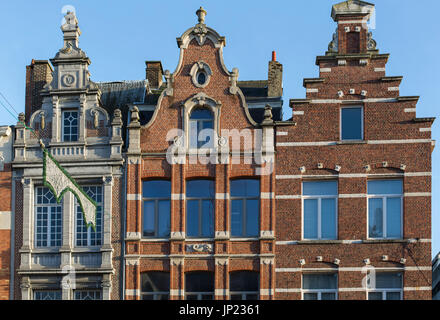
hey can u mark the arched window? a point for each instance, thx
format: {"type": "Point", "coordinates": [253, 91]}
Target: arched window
{"type": "Point", "coordinates": [199, 286]}
{"type": "Point", "coordinates": [201, 129]}
{"type": "Point", "coordinates": [155, 285]}
{"type": "Point", "coordinates": [244, 285]}
{"type": "Point", "coordinates": [200, 199]}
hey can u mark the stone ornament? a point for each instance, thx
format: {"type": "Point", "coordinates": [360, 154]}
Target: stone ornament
{"type": "Point", "coordinates": [333, 45]}
{"type": "Point", "coordinates": [95, 114]}
{"type": "Point", "coordinates": [199, 247]}
{"type": "Point", "coordinates": [68, 80]}
{"type": "Point", "coordinates": [42, 120]}
{"type": "Point", "coordinates": [200, 74]}
{"type": "Point", "coordinates": [371, 43]}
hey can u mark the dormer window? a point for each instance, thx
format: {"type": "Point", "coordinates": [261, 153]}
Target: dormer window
{"type": "Point", "coordinates": [201, 129]}
{"type": "Point", "coordinates": [70, 126]}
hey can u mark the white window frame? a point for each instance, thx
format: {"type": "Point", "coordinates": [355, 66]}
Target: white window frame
{"type": "Point", "coordinates": [155, 294]}
{"type": "Point", "coordinates": [384, 212]}
{"type": "Point", "coordinates": [319, 198]}
{"type": "Point", "coordinates": [90, 292]}
{"type": "Point", "coordinates": [244, 233]}
{"type": "Point", "coordinates": [384, 292]}
{"type": "Point", "coordinates": [362, 123]}
{"type": "Point", "coordinates": [198, 121]}
{"type": "Point", "coordinates": [200, 294]}
{"type": "Point", "coordinates": [319, 291]}
{"type": "Point", "coordinates": [62, 125]}
{"type": "Point", "coordinates": [156, 212]}
{"type": "Point", "coordinates": [244, 294]}
{"type": "Point", "coordinates": [50, 207]}
{"type": "Point", "coordinates": [89, 229]}
{"type": "Point", "coordinates": [47, 291]}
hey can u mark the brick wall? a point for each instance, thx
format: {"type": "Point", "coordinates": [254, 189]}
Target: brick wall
{"type": "Point", "coordinates": [5, 231]}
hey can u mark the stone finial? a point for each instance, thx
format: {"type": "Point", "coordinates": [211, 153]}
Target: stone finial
{"type": "Point", "coordinates": [201, 14]}
{"type": "Point", "coordinates": [71, 21]}
{"type": "Point", "coordinates": [134, 115]}
{"type": "Point", "coordinates": [117, 113]}
{"type": "Point", "coordinates": [21, 117]}
{"type": "Point", "coordinates": [267, 115]}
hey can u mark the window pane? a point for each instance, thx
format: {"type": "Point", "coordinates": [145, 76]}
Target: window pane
{"type": "Point", "coordinates": [201, 114]}
{"type": "Point", "coordinates": [328, 296]}
{"type": "Point", "coordinates": [149, 218]}
{"type": "Point", "coordinates": [310, 219]}
{"type": "Point", "coordinates": [351, 123]}
{"type": "Point", "coordinates": [320, 281]}
{"type": "Point", "coordinates": [375, 218]}
{"type": "Point", "coordinates": [393, 295]}
{"type": "Point", "coordinates": [199, 282]}
{"type": "Point", "coordinates": [164, 218]}
{"type": "Point", "coordinates": [200, 189]}
{"type": "Point", "coordinates": [156, 189]}
{"type": "Point", "coordinates": [245, 188]}
{"type": "Point", "coordinates": [192, 218]}
{"type": "Point", "coordinates": [385, 187]}
{"type": "Point", "coordinates": [320, 188]}
{"type": "Point", "coordinates": [244, 281]}
{"type": "Point", "coordinates": [193, 134]}
{"type": "Point", "coordinates": [252, 217]}
{"type": "Point", "coordinates": [388, 280]}
{"type": "Point", "coordinates": [328, 218]}
{"type": "Point", "coordinates": [310, 296]}
{"type": "Point", "coordinates": [394, 218]}
{"type": "Point", "coordinates": [375, 296]}
{"type": "Point", "coordinates": [236, 217]}
{"type": "Point", "coordinates": [207, 218]}
{"type": "Point", "coordinates": [155, 282]}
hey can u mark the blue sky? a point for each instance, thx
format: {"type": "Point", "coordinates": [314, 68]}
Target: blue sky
{"type": "Point", "coordinates": [119, 36]}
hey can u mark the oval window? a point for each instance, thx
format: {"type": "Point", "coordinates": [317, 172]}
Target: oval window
{"type": "Point", "coordinates": [201, 78]}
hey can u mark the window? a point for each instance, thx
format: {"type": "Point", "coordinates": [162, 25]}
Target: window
{"type": "Point", "coordinates": [200, 201]}
{"type": "Point", "coordinates": [156, 196]}
{"type": "Point", "coordinates": [155, 285]}
{"type": "Point", "coordinates": [244, 285]}
{"type": "Point", "coordinates": [388, 287]}
{"type": "Point", "coordinates": [353, 42]}
{"type": "Point", "coordinates": [199, 120]}
{"type": "Point", "coordinates": [47, 295]}
{"type": "Point", "coordinates": [201, 78]}
{"type": "Point", "coordinates": [86, 236]}
{"type": "Point", "coordinates": [320, 286]}
{"type": "Point", "coordinates": [70, 126]}
{"type": "Point", "coordinates": [385, 209]}
{"type": "Point", "coordinates": [199, 286]}
{"type": "Point", "coordinates": [87, 295]}
{"type": "Point", "coordinates": [245, 207]}
{"type": "Point", "coordinates": [352, 123]}
{"type": "Point", "coordinates": [319, 210]}
{"type": "Point", "coordinates": [48, 222]}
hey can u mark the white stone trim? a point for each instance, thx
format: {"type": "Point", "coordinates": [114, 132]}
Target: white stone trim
{"type": "Point", "coordinates": [286, 196]}
{"type": "Point", "coordinates": [267, 292]}
{"type": "Point", "coordinates": [178, 196]}
{"type": "Point", "coordinates": [355, 175]}
{"type": "Point", "coordinates": [132, 292]}
{"type": "Point", "coordinates": [393, 88]}
{"type": "Point", "coordinates": [298, 113]}
{"type": "Point", "coordinates": [222, 292]}
{"type": "Point", "coordinates": [379, 69]}
{"type": "Point", "coordinates": [424, 129]}
{"type": "Point", "coordinates": [353, 269]}
{"type": "Point", "coordinates": [133, 236]}
{"type": "Point", "coordinates": [134, 196]}
{"type": "Point", "coordinates": [409, 110]}
{"type": "Point", "coordinates": [417, 194]}
{"type": "Point", "coordinates": [288, 290]}
{"type": "Point", "coordinates": [132, 261]}
{"type": "Point", "coordinates": [352, 195]}
{"type": "Point", "coordinates": [417, 289]}
{"type": "Point", "coordinates": [267, 195]}
{"type": "Point", "coordinates": [325, 70]}
{"type": "Point", "coordinates": [222, 196]}
{"type": "Point", "coordinates": [351, 289]}
{"type": "Point", "coordinates": [282, 133]}
{"type": "Point", "coordinates": [332, 143]}
{"type": "Point", "coordinates": [177, 292]}
{"type": "Point", "coordinates": [287, 242]}
{"type": "Point", "coordinates": [334, 101]}
{"type": "Point", "coordinates": [352, 21]}
{"type": "Point", "coordinates": [5, 220]}
{"type": "Point", "coordinates": [312, 90]}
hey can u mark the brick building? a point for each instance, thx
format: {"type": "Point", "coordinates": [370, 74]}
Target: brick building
{"type": "Point", "coordinates": [6, 213]}
{"type": "Point", "coordinates": [207, 193]}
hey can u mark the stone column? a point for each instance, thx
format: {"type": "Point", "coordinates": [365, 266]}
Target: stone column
{"type": "Point", "coordinates": [267, 291]}
{"type": "Point", "coordinates": [56, 130]}
{"type": "Point", "coordinates": [106, 286]}
{"type": "Point", "coordinates": [176, 278]}
{"type": "Point", "coordinates": [68, 226]}
{"type": "Point", "coordinates": [25, 250]}
{"type": "Point", "coordinates": [25, 287]}
{"type": "Point", "coordinates": [82, 117]}
{"type": "Point", "coordinates": [106, 248]}
{"type": "Point", "coordinates": [221, 278]}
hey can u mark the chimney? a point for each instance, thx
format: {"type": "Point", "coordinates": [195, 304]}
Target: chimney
{"type": "Point", "coordinates": [275, 77]}
{"type": "Point", "coordinates": [154, 73]}
{"type": "Point", "coordinates": [38, 74]}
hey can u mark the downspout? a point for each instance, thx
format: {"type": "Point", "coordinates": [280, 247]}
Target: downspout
{"type": "Point", "coordinates": [124, 219]}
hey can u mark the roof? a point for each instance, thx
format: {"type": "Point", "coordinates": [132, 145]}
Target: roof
{"type": "Point", "coordinates": [119, 93]}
